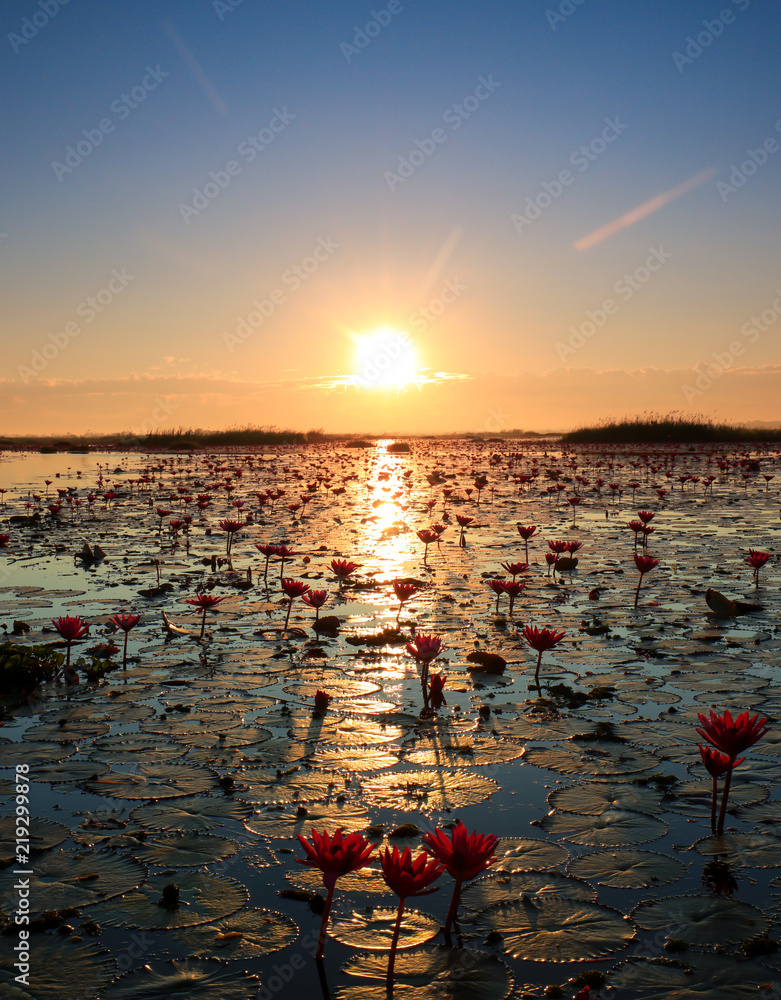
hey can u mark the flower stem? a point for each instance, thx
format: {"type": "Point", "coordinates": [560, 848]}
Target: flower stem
{"type": "Point", "coordinates": [453, 909]}
{"type": "Point", "coordinates": [725, 796]}
{"type": "Point", "coordinates": [287, 619]}
{"type": "Point", "coordinates": [324, 924]}
{"type": "Point", "coordinates": [394, 943]}
{"type": "Point", "coordinates": [637, 592]}
{"type": "Point", "coordinates": [537, 671]}
{"type": "Point", "coordinates": [713, 805]}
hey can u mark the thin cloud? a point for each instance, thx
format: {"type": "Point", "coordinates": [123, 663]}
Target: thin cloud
{"type": "Point", "coordinates": [647, 208]}
{"type": "Point", "coordinates": [194, 67]}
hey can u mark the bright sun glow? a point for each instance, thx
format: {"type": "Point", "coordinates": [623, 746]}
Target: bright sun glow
{"type": "Point", "coordinates": [385, 359]}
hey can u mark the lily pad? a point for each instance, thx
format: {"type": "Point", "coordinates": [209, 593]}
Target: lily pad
{"type": "Point", "coordinates": [185, 850]}
{"type": "Point", "coordinates": [43, 834]}
{"type": "Point", "coordinates": [449, 973]}
{"type": "Point", "coordinates": [197, 813]}
{"type": "Point", "coordinates": [592, 761]}
{"type": "Point", "coordinates": [155, 781]}
{"type": "Point", "coordinates": [611, 828]}
{"type": "Point", "coordinates": [203, 899]}
{"type": "Point", "coordinates": [356, 759]}
{"type": "Point", "coordinates": [627, 869]}
{"type": "Point", "coordinates": [755, 850]}
{"type": "Point", "coordinates": [507, 887]}
{"type": "Point", "coordinates": [372, 928]}
{"type": "Point", "coordinates": [67, 971]}
{"type": "Point", "coordinates": [186, 980]}
{"type": "Point", "coordinates": [702, 920]}
{"type": "Point", "coordinates": [246, 934]}
{"type": "Point", "coordinates": [70, 878]}
{"type": "Point", "coordinates": [291, 821]}
{"type": "Point", "coordinates": [523, 854]}
{"type": "Point", "coordinates": [426, 791]}
{"type": "Point", "coordinates": [552, 929]}
{"type": "Point", "coordinates": [461, 750]}
{"type": "Point", "coordinates": [693, 798]}
{"type": "Point", "coordinates": [593, 798]}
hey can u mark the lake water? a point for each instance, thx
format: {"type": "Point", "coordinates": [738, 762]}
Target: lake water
{"type": "Point", "coordinates": [200, 762]}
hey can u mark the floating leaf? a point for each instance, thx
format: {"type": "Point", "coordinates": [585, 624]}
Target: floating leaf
{"type": "Point", "coordinates": [354, 759]}
{"type": "Point", "coordinates": [185, 850]}
{"type": "Point", "coordinates": [627, 869]}
{"type": "Point", "coordinates": [191, 814]}
{"type": "Point", "coordinates": [364, 880]}
{"type": "Point", "coordinates": [246, 934]}
{"type": "Point", "coordinates": [755, 850]}
{"type": "Point", "coordinates": [594, 797]}
{"type": "Point", "coordinates": [294, 785]}
{"type": "Point", "coordinates": [186, 980]}
{"type": "Point", "coordinates": [426, 791]}
{"type": "Point", "coordinates": [611, 828]}
{"type": "Point", "coordinates": [60, 970]}
{"type": "Point", "coordinates": [43, 834]}
{"type": "Point", "coordinates": [350, 816]}
{"type": "Point", "coordinates": [523, 854]}
{"type": "Point", "coordinates": [372, 928]}
{"type": "Point", "coordinates": [449, 973]}
{"type": "Point", "coordinates": [593, 761]}
{"type": "Point", "coordinates": [506, 887]}
{"type": "Point", "coordinates": [551, 929]}
{"type": "Point", "coordinates": [203, 898]}
{"type": "Point", "coordinates": [461, 750]}
{"type": "Point", "coordinates": [702, 920]}
{"type": "Point", "coordinates": [70, 878]}
{"type": "Point", "coordinates": [156, 781]}
{"type": "Point", "coordinates": [721, 978]}
{"type": "Point", "coordinates": [693, 798]}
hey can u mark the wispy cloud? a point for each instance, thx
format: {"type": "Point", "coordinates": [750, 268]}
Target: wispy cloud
{"type": "Point", "coordinates": [647, 208]}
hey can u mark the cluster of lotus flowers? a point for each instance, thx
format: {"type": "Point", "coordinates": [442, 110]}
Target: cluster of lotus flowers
{"type": "Point", "coordinates": [463, 855]}
{"type": "Point", "coordinates": [728, 737]}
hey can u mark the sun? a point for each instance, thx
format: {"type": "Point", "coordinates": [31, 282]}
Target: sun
{"type": "Point", "coordinates": [385, 358]}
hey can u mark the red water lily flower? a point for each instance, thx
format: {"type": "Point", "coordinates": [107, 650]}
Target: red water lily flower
{"type": "Point", "coordinates": [730, 737]}
{"type": "Point", "coordinates": [403, 591]}
{"type": "Point", "coordinates": [644, 564]}
{"type": "Point", "coordinates": [406, 877]}
{"type": "Point", "coordinates": [125, 623]}
{"type": "Point", "coordinates": [541, 640]}
{"type": "Point", "coordinates": [465, 856]}
{"type": "Point", "coordinates": [428, 536]}
{"type": "Point", "coordinates": [292, 589]}
{"type": "Point", "coordinates": [425, 648]}
{"type": "Point", "coordinates": [334, 856]}
{"type": "Point", "coordinates": [71, 629]}
{"type": "Point", "coordinates": [315, 599]}
{"type": "Point", "coordinates": [342, 569]}
{"type": "Point", "coordinates": [757, 560]}
{"type": "Point", "coordinates": [204, 603]}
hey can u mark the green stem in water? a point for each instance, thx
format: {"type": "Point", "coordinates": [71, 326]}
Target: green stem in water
{"type": "Point", "coordinates": [537, 671]}
{"type": "Point", "coordinates": [324, 924]}
{"type": "Point", "coordinates": [394, 943]}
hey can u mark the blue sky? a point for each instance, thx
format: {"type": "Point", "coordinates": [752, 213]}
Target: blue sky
{"type": "Point", "coordinates": [218, 75]}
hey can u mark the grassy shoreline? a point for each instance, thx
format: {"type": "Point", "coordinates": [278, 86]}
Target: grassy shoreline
{"type": "Point", "coordinates": [648, 429]}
